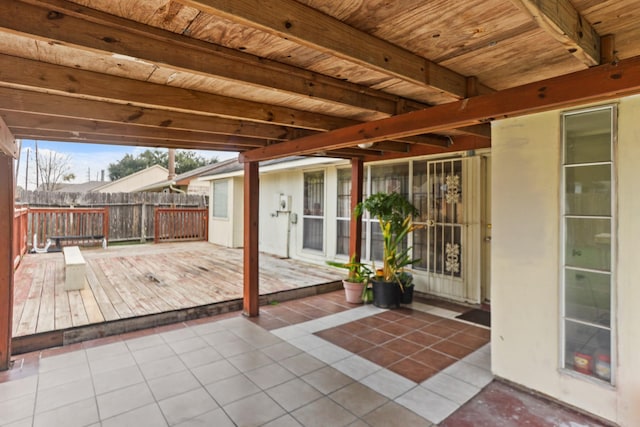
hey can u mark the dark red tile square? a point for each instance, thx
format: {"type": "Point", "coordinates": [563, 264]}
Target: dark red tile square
{"type": "Point", "coordinates": [412, 322]}
{"type": "Point", "coordinates": [391, 315]}
{"type": "Point", "coordinates": [376, 336]}
{"type": "Point", "coordinates": [356, 345]}
{"type": "Point", "coordinates": [353, 328]}
{"type": "Point", "coordinates": [421, 338]}
{"type": "Point", "coordinates": [438, 330]}
{"type": "Point", "coordinates": [412, 370]}
{"type": "Point", "coordinates": [452, 349]}
{"type": "Point", "coordinates": [381, 356]}
{"type": "Point", "coordinates": [468, 340]}
{"type": "Point", "coordinates": [373, 321]}
{"type": "Point", "coordinates": [433, 359]}
{"type": "Point", "coordinates": [453, 324]}
{"type": "Point", "coordinates": [426, 317]}
{"type": "Point", "coordinates": [479, 332]}
{"type": "Point", "coordinates": [395, 328]}
{"type": "Point", "coordinates": [403, 346]}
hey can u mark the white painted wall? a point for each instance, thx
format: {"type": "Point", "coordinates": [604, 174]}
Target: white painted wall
{"type": "Point", "coordinates": [525, 269]}
{"type": "Point", "coordinates": [228, 231]}
{"type": "Point", "coordinates": [127, 184]}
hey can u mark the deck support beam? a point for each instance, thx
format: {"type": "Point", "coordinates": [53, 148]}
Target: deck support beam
{"type": "Point", "coordinates": [355, 225]}
{"type": "Point", "coordinates": [251, 292]}
{"type": "Point", "coordinates": [6, 258]}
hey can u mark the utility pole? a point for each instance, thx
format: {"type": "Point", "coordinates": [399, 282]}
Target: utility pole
{"type": "Point", "coordinates": [37, 168]}
{"type": "Point", "coordinates": [26, 172]}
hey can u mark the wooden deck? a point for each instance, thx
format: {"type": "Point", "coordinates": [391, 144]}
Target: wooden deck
{"type": "Point", "coordinates": [131, 281]}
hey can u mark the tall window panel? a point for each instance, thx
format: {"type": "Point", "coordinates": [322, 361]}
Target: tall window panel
{"type": "Point", "coordinates": [220, 199]}
{"type": "Point", "coordinates": [588, 240]}
{"type": "Point", "coordinates": [343, 214]}
{"type": "Point", "coordinates": [313, 216]}
{"type": "Point", "coordinates": [385, 179]}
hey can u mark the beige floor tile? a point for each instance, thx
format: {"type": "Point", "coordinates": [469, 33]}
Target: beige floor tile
{"type": "Point", "coordinates": [254, 410]}
{"type": "Point", "coordinates": [323, 412]}
{"type": "Point", "coordinates": [358, 399]}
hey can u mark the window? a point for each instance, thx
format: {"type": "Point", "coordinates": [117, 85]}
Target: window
{"type": "Point", "coordinates": [220, 198]}
{"type": "Point", "coordinates": [343, 213]}
{"type": "Point", "coordinates": [384, 179]}
{"type": "Point", "coordinates": [313, 216]}
{"type": "Point", "coordinates": [588, 241]}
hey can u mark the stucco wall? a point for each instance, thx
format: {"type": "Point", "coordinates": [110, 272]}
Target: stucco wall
{"type": "Point", "coordinates": [525, 267]}
{"type": "Point", "coordinates": [222, 231]}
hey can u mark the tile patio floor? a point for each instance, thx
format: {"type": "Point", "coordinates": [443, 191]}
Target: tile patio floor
{"type": "Point", "coordinates": [282, 369]}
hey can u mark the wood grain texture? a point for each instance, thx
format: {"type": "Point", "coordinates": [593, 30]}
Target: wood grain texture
{"type": "Point", "coordinates": [125, 282]}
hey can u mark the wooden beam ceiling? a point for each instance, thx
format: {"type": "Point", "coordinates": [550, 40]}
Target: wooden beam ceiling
{"type": "Point", "coordinates": [564, 23]}
{"type": "Point", "coordinates": [8, 144]}
{"type": "Point", "coordinates": [594, 84]}
{"type": "Point", "coordinates": [306, 26]}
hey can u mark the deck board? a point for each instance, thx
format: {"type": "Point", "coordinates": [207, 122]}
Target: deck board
{"type": "Point", "coordinates": [128, 281]}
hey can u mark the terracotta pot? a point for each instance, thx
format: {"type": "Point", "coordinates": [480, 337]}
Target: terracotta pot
{"type": "Point", "coordinates": [353, 291]}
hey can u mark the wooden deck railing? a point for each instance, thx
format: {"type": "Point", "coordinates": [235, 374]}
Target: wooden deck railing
{"type": "Point", "coordinates": [176, 224]}
{"type": "Point", "coordinates": [76, 226]}
{"type": "Point", "coordinates": [20, 235]}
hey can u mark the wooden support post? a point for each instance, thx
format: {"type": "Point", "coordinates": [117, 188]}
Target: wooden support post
{"type": "Point", "coordinates": [6, 258]}
{"type": "Point", "coordinates": [251, 212]}
{"type": "Point", "coordinates": [355, 226]}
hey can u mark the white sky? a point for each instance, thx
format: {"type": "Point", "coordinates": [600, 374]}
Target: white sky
{"type": "Point", "coordinates": [87, 160]}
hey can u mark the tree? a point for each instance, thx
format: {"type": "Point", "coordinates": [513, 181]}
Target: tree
{"type": "Point", "coordinates": [185, 161]}
{"type": "Point", "coordinates": [53, 168]}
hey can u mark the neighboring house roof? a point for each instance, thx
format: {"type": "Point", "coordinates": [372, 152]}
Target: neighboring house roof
{"type": "Point", "coordinates": [131, 183]}
{"type": "Point", "coordinates": [236, 168]}
{"type": "Point", "coordinates": [186, 177]}
{"type": "Point", "coordinates": [84, 187]}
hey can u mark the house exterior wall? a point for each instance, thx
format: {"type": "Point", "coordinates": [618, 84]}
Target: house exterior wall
{"type": "Point", "coordinates": [228, 231]}
{"type": "Point", "coordinates": [526, 286]}
{"type": "Point", "coordinates": [134, 181]}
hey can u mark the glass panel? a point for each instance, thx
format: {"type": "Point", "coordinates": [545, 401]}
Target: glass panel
{"type": "Point", "coordinates": [420, 248]}
{"type": "Point", "coordinates": [446, 191]}
{"type": "Point", "coordinates": [344, 193]}
{"type": "Point", "coordinates": [342, 239]}
{"type": "Point", "coordinates": [588, 296]}
{"type": "Point", "coordinates": [588, 350]}
{"type": "Point", "coordinates": [445, 250]}
{"type": "Point", "coordinates": [588, 137]}
{"type": "Point", "coordinates": [390, 178]}
{"type": "Point", "coordinates": [220, 197]}
{"type": "Point", "coordinates": [313, 231]}
{"type": "Point", "coordinates": [314, 193]}
{"type": "Point", "coordinates": [588, 243]}
{"type": "Point", "coordinates": [588, 190]}
{"type": "Point", "coordinates": [420, 191]}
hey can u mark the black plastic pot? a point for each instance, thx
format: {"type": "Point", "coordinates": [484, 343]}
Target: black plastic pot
{"type": "Point", "coordinates": [386, 294]}
{"type": "Point", "coordinates": [407, 295]}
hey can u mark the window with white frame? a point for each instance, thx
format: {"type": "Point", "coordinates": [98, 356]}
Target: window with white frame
{"type": "Point", "coordinates": [588, 223]}
{"type": "Point", "coordinates": [219, 198]}
{"type": "Point", "coordinates": [313, 214]}
{"type": "Point", "coordinates": [343, 214]}
{"type": "Point", "coordinates": [384, 179]}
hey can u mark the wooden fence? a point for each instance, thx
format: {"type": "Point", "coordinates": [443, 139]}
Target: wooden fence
{"type": "Point", "coordinates": [64, 226]}
{"type": "Point", "coordinates": [173, 224]}
{"type": "Point", "coordinates": [20, 226]}
{"type": "Point", "coordinates": [131, 215]}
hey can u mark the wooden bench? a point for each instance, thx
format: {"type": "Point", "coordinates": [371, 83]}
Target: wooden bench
{"type": "Point", "coordinates": [74, 268]}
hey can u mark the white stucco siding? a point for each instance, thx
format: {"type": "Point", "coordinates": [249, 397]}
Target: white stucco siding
{"type": "Point", "coordinates": [525, 264]}
{"type": "Point", "coordinates": [628, 272]}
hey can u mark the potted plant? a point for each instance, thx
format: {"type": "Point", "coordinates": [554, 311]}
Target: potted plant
{"type": "Point", "coordinates": [355, 284]}
{"type": "Point", "coordinates": [394, 213]}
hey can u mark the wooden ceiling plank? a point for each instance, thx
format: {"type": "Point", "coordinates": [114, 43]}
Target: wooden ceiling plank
{"type": "Point", "coordinates": [297, 22]}
{"type": "Point", "coordinates": [29, 74]}
{"type": "Point", "coordinates": [64, 106]}
{"type": "Point", "coordinates": [95, 138]}
{"type": "Point", "coordinates": [8, 144]}
{"type": "Point", "coordinates": [88, 28]}
{"type": "Point", "coordinates": [563, 22]}
{"type": "Point", "coordinates": [594, 84]}
{"type": "Point", "coordinates": [44, 122]}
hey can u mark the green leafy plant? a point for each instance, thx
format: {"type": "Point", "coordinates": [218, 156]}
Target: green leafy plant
{"type": "Point", "coordinates": [394, 213]}
{"type": "Point", "coordinates": [358, 272]}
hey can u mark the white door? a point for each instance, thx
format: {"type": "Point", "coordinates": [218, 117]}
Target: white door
{"type": "Point", "coordinates": [453, 247]}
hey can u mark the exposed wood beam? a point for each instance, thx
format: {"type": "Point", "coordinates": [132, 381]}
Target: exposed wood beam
{"type": "Point", "coordinates": [607, 49]}
{"type": "Point", "coordinates": [6, 257]}
{"type": "Point", "coordinates": [42, 123]}
{"type": "Point", "coordinates": [251, 288]}
{"type": "Point", "coordinates": [8, 144]}
{"type": "Point", "coordinates": [90, 29]}
{"type": "Point", "coordinates": [39, 76]}
{"type": "Point", "coordinates": [64, 106]}
{"type": "Point", "coordinates": [302, 24]}
{"type": "Point", "coordinates": [461, 143]}
{"type": "Point", "coordinates": [563, 22]}
{"type": "Point", "coordinates": [355, 225]}
{"type": "Point", "coordinates": [594, 84]}
{"type": "Point", "coordinates": [224, 143]}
